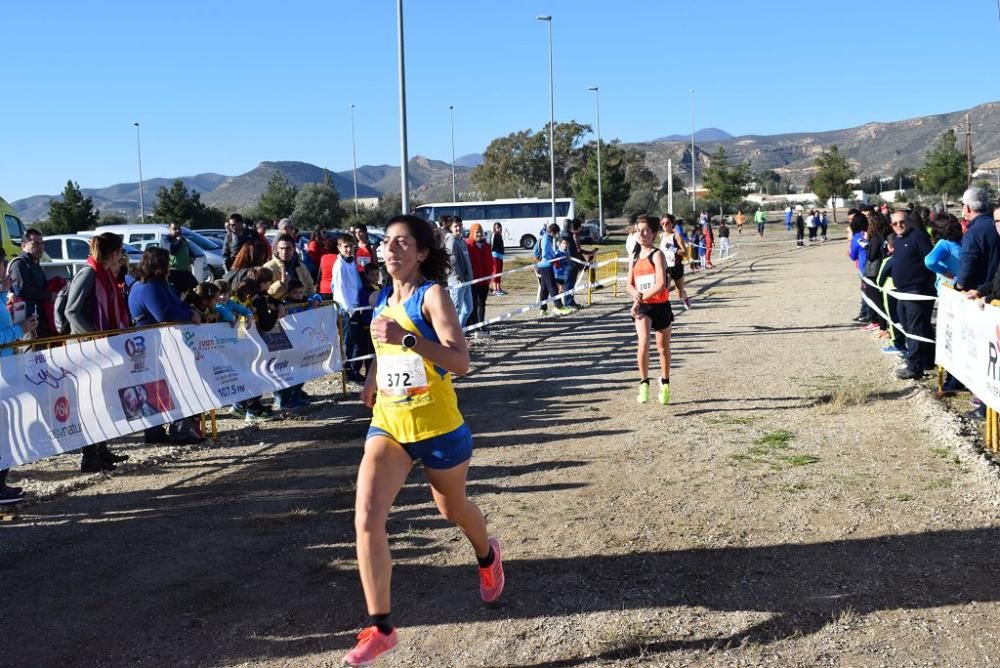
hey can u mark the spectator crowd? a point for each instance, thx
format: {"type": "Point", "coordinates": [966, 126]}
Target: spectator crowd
{"type": "Point", "coordinates": [919, 252]}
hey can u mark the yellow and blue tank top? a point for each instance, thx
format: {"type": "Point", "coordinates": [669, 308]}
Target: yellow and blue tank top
{"type": "Point", "coordinates": [415, 399]}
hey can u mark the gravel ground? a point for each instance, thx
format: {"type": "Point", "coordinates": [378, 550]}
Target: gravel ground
{"type": "Point", "coordinates": [795, 505]}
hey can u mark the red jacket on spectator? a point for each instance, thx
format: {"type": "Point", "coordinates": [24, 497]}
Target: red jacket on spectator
{"type": "Point", "coordinates": [481, 256]}
{"type": "Point", "coordinates": [316, 250]}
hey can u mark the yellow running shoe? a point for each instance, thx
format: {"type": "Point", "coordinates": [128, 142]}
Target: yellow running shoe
{"type": "Point", "coordinates": [664, 393]}
{"type": "Point", "coordinates": [643, 393]}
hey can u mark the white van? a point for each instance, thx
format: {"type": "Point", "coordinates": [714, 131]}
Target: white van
{"type": "Point", "coordinates": [143, 235]}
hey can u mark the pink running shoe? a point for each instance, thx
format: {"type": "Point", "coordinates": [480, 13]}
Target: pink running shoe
{"type": "Point", "coordinates": [372, 645]}
{"type": "Point", "coordinates": [870, 327]}
{"type": "Point", "coordinates": [491, 578]}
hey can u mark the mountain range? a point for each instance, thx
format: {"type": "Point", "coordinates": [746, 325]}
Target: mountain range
{"type": "Point", "coordinates": [873, 149]}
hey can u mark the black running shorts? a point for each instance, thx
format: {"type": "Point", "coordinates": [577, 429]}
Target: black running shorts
{"type": "Point", "coordinates": [661, 315]}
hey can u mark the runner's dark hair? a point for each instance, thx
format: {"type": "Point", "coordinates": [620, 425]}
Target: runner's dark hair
{"type": "Point", "coordinates": [437, 264]}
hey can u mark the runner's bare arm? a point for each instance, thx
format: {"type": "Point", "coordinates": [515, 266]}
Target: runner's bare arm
{"type": "Point", "coordinates": [452, 354]}
{"type": "Point", "coordinates": [368, 391]}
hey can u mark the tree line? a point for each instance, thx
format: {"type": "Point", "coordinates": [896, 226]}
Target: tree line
{"type": "Point", "coordinates": [517, 165]}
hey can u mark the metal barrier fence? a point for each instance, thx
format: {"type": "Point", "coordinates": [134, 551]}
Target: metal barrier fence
{"type": "Point", "coordinates": [605, 269]}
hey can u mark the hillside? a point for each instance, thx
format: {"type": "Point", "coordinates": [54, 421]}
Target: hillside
{"type": "Point", "coordinates": [873, 149]}
{"type": "Point", "coordinates": [243, 191]}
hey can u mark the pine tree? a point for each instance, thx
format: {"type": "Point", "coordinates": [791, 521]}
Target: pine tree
{"type": "Point", "coordinates": [831, 179]}
{"type": "Point", "coordinates": [727, 184]}
{"type": "Point", "coordinates": [74, 213]}
{"type": "Point", "coordinates": [278, 199]}
{"type": "Point", "coordinates": [317, 205]}
{"type": "Point", "coordinates": [945, 172]}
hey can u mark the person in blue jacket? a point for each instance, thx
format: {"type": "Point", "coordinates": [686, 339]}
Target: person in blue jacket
{"type": "Point", "coordinates": [945, 258]}
{"type": "Point", "coordinates": [546, 276]}
{"type": "Point", "coordinates": [980, 246]}
{"type": "Point", "coordinates": [859, 255]}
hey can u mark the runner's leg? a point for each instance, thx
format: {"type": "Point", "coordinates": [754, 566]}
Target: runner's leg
{"type": "Point", "coordinates": [381, 475]}
{"type": "Point", "coordinates": [642, 325]}
{"type": "Point", "coordinates": [663, 347]}
{"type": "Point", "coordinates": [448, 489]}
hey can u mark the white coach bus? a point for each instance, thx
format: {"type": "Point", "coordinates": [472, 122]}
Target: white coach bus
{"type": "Point", "coordinates": [522, 219]}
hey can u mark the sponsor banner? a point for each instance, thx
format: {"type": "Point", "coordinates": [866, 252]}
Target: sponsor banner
{"type": "Point", "coordinates": [61, 399]}
{"type": "Point", "coordinates": [968, 344]}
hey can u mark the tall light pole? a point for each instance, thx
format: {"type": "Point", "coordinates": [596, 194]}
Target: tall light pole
{"type": "Point", "coordinates": [454, 193]}
{"type": "Point", "coordinates": [403, 152]}
{"type": "Point", "coordinates": [552, 121]}
{"type": "Point", "coordinates": [354, 161]}
{"type": "Point", "coordinates": [600, 194]}
{"type": "Point", "coordinates": [694, 193]}
{"type": "Point", "coordinates": [142, 203]}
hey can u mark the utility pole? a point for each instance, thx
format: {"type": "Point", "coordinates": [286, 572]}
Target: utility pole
{"type": "Point", "coordinates": [968, 149]}
{"type": "Point", "coordinates": [670, 186]}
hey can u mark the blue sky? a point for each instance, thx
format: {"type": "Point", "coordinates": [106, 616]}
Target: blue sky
{"type": "Point", "coordinates": [220, 86]}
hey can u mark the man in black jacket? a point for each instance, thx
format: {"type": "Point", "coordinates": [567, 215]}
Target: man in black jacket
{"type": "Point", "coordinates": [911, 275]}
{"type": "Point", "coordinates": [237, 235]}
{"type": "Point", "coordinates": [27, 279]}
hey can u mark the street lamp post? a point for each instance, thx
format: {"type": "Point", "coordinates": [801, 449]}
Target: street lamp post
{"type": "Point", "coordinates": [142, 202]}
{"type": "Point", "coordinates": [600, 194]}
{"type": "Point", "coordinates": [403, 152]}
{"type": "Point", "coordinates": [454, 193]}
{"type": "Point", "coordinates": [354, 161]}
{"type": "Point", "coordinates": [552, 121]}
{"type": "Point", "coordinates": [694, 187]}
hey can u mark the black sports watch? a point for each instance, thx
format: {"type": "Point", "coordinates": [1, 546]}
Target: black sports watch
{"type": "Point", "coordinates": [409, 341]}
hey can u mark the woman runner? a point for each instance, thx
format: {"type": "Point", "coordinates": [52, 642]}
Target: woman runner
{"type": "Point", "coordinates": [418, 345]}
{"type": "Point", "coordinates": [647, 283]}
{"type": "Point", "coordinates": [674, 251]}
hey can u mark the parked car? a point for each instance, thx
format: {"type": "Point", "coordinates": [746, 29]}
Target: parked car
{"type": "Point", "coordinates": [77, 247]}
{"type": "Point", "coordinates": [208, 249]}
{"type": "Point", "coordinates": [590, 232]}
{"type": "Point", "coordinates": [215, 235]}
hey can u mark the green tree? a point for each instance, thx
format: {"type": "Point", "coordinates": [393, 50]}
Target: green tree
{"type": "Point", "coordinates": [726, 184]}
{"type": "Point", "coordinates": [113, 218]}
{"type": "Point", "coordinates": [614, 182]}
{"type": "Point", "coordinates": [74, 213]}
{"type": "Point", "coordinates": [278, 199]}
{"type": "Point", "coordinates": [639, 202]}
{"type": "Point", "coordinates": [317, 205]}
{"type": "Point", "coordinates": [769, 181]}
{"type": "Point", "coordinates": [178, 205]}
{"type": "Point", "coordinates": [830, 180]}
{"type": "Point", "coordinates": [518, 165]}
{"type": "Point", "coordinates": [945, 171]}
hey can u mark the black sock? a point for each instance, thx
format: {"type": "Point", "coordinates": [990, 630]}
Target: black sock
{"type": "Point", "coordinates": [644, 381]}
{"type": "Point", "coordinates": [382, 623]}
{"type": "Point", "coordinates": [487, 561]}
{"type": "Point", "coordinates": [664, 381]}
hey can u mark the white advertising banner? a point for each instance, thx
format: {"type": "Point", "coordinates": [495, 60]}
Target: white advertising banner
{"type": "Point", "coordinates": [968, 344]}
{"type": "Point", "coordinates": [61, 399]}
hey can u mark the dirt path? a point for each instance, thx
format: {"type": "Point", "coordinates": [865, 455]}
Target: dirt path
{"type": "Point", "coordinates": [795, 505]}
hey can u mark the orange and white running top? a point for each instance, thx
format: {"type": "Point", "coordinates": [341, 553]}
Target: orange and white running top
{"type": "Point", "coordinates": [643, 276]}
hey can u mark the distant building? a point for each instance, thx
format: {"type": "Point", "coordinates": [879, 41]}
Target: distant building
{"type": "Point", "coordinates": [363, 203]}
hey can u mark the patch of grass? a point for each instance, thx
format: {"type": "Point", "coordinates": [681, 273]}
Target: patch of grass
{"type": "Point", "coordinates": [768, 449]}
{"type": "Point", "coordinates": [902, 497]}
{"type": "Point", "coordinates": [775, 439]}
{"type": "Point", "coordinates": [939, 483]}
{"type": "Point", "coordinates": [842, 397]}
{"type": "Point", "coordinates": [732, 419]}
{"type": "Point", "coordinates": [942, 453]}
{"type": "Point", "coordinates": [800, 460]}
